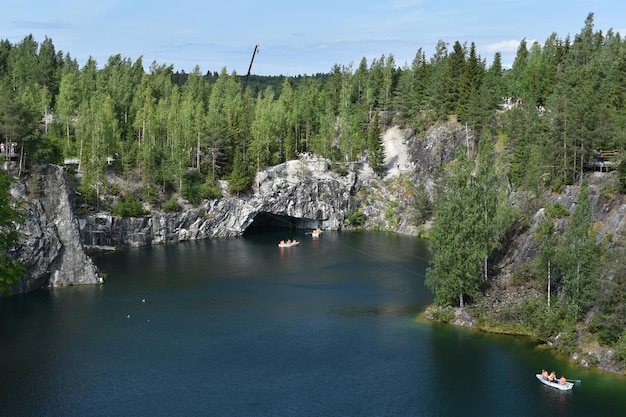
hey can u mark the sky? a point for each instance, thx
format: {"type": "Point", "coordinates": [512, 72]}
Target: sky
{"type": "Point", "coordinates": [295, 37]}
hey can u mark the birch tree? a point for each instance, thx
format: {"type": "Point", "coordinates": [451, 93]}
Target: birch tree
{"type": "Point", "coordinates": [455, 272]}
{"type": "Point", "coordinates": [578, 255]}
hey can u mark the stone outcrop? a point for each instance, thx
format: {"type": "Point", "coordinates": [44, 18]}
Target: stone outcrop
{"type": "Point", "coordinates": [300, 194]}
{"type": "Point", "coordinates": [50, 246]}
{"type": "Point", "coordinates": [388, 201]}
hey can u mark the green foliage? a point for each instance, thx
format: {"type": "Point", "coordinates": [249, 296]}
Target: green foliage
{"type": "Point", "coordinates": [51, 150]}
{"type": "Point", "coordinates": [471, 220]}
{"type": "Point", "coordinates": [376, 151]}
{"type": "Point", "coordinates": [10, 269]}
{"type": "Point", "coordinates": [556, 211]}
{"type": "Point", "coordinates": [554, 320]}
{"type": "Point", "coordinates": [390, 214]}
{"type": "Point", "coordinates": [578, 256]}
{"type": "Point", "coordinates": [191, 183]}
{"type": "Point", "coordinates": [443, 314]}
{"type": "Point", "coordinates": [210, 191]}
{"type": "Point", "coordinates": [195, 188]}
{"type": "Point", "coordinates": [567, 340]}
{"type": "Point", "coordinates": [621, 169]}
{"type": "Point", "coordinates": [128, 206]}
{"type": "Point", "coordinates": [239, 179]}
{"type": "Point", "coordinates": [86, 199]}
{"type": "Point", "coordinates": [422, 205]}
{"type": "Point", "coordinates": [523, 275]}
{"type": "Point", "coordinates": [172, 206]}
{"type": "Point", "coordinates": [619, 351]}
{"type": "Point", "coordinates": [341, 169]}
{"type": "Point", "coordinates": [355, 218]}
{"type": "Point", "coordinates": [163, 123]}
{"type": "Point", "coordinates": [458, 250]}
{"type": "Point", "coordinates": [608, 327]}
{"type": "Point", "coordinates": [609, 323]}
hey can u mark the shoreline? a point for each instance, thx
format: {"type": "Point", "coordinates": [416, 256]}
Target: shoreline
{"type": "Point", "coordinates": [464, 320]}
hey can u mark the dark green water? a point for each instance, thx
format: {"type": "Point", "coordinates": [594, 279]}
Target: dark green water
{"type": "Point", "coordinates": [239, 327]}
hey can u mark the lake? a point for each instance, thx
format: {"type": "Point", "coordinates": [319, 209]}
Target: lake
{"type": "Point", "coordinates": [240, 327]}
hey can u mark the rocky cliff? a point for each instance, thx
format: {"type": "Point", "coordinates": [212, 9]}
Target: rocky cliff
{"type": "Point", "coordinates": [50, 246]}
{"type": "Point", "coordinates": [302, 194]}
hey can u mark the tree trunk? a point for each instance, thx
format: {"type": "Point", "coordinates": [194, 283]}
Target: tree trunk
{"type": "Point", "coordinates": [485, 268]}
{"type": "Point", "coordinates": [582, 159]}
{"type": "Point", "coordinates": [549, 279]}
{"type": "Point", "coordinates": [565, 145]}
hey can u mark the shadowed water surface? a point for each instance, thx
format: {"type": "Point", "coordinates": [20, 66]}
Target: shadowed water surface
{"type": "Point", "coordinates": [240, 327]}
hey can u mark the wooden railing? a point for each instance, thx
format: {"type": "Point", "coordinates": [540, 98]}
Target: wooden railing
{"type": "Point", "coordinates": [605, 160]}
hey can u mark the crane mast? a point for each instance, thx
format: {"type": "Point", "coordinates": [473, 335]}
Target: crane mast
{"type": "Point", "coordinates": [256, 48]}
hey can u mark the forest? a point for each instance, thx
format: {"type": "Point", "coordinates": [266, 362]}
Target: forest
{"type": "Point", "coordinates": [182, 132]}
{"type": "Point", "coordinates": [557, 112]}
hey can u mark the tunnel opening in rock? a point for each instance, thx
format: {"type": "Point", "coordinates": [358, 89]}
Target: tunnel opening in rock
{"type": "Point", "coordinates": [266, 222]}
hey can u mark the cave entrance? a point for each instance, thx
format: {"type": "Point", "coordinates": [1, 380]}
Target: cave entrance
{"type": "Point", "coordinates": [264, 222]}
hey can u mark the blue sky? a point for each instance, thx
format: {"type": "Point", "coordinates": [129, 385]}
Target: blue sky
{"type": "Point", "coordinates": [295, 37]}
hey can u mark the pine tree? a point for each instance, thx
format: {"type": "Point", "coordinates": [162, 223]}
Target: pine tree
{"type": "Point", "coordinates": [239, 180]}
{"type": "Point", "coordinates": [376, 152]}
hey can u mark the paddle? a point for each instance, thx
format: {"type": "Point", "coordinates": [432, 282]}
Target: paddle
{"type": "Point", "coordinates": [574, 380]}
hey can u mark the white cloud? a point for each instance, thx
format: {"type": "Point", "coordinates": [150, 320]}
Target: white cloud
{"type": "Point", "coordinates": [503, 46]}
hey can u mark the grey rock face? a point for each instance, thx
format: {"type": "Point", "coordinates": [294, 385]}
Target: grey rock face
{"type": "Point", "coordinates": [50, 246]}
{"type": "Point", "coordinates": [301, 194]}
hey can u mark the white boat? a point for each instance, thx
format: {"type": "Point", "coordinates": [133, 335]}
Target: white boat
{"type": "Point", "coordinates": [557, 384]}
{"type": "Point", "coordinates": [315, 233]}
{"type": "Point", "coordinates": [288, 245]}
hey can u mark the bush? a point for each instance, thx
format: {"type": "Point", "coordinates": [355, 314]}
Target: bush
{"type": "Point", "coordinates": [355, 219]}
{"type": "Point", "coordinates": [390, 214]}
{"type": "Point", "coordinates": [128, 206]}
{"type": "Point", "coordinates": [523, 275]}
{"type": "Point", "coordinates": [191, 186]}
{"type": "Point", "coordinates": [443, 314]}
{"type": "Point", "coordinates": [566, 343]}
{"type": "Point", "coordinates": [619, 350]}
{"type": "Point", "coordinates": [621, 170]}
{"type": "Point", "coordinates": [556, 211]}
{"type": "Point", "coordinates": [423, 207]}
{"type": "Point", "coordinates": [341, 170]}
{"type": "Point", "coordinates": [86, 199]}
{"type": "Point", "coordinates": [210, 191]}
{"type": "Point", "coordinates": [172, 206]}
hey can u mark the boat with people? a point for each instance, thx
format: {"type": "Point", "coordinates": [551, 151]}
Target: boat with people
{"type": "Point", "coordinates": [288, 243]}
{"type": "Point", "coordinates": [317, 232]}
{"type": "Point", "coordinates": [558, 383]}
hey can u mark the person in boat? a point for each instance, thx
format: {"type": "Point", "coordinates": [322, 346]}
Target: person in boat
{"type": "Point", "coordinates": [288, 241]}
{"type": "Point", "coordinates": [282, 242]}
{"type": "Point", "coordinates": [563, 380]}
{"type": "Point", "coordinates": [552, 377]}
{"type": "Point", "coordinates": [544, 374]}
